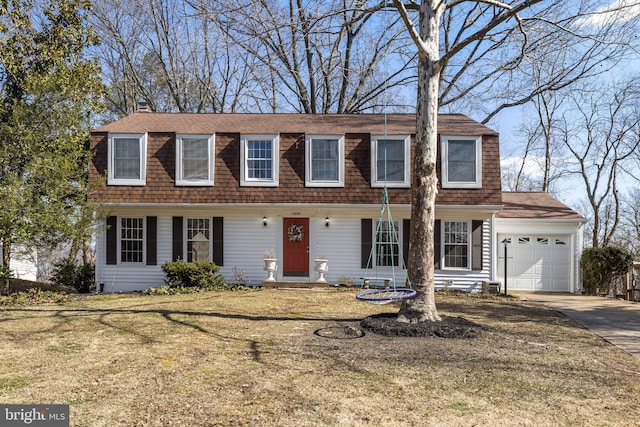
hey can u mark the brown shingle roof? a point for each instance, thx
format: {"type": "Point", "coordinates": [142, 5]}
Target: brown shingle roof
{"type": "Point", "coordinates": [535, 205]}
{"type": "Point", "coordinates": [448, 124]}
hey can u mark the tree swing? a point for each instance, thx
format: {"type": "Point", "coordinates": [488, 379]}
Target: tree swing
{"type": "Point", "coordinates": [385, 241]}
{"type": "Point", "coordinates": [384, 246]}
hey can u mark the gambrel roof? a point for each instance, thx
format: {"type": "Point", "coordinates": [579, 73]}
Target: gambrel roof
{"type": "Point", "coordinates": [162, 128]}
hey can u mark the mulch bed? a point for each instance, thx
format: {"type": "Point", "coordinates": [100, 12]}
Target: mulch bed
{"type": "Point", "coordinates": [450, 327]}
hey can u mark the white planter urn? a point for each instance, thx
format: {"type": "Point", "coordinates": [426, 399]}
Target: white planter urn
{"type": "Point", "coordinates": [321, 267]}
{"type": "Point", "coordinates": [270, 266]}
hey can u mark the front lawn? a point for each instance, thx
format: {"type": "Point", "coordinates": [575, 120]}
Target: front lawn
{"type": "Point", "coordinates": [276, 357]}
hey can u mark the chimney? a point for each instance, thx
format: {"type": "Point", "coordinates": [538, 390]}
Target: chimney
{"type": "Point", "coordinates": [143, 107]}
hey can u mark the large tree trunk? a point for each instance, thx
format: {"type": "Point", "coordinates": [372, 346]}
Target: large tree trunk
{"type": "Point", "coordinates": [425, 182]}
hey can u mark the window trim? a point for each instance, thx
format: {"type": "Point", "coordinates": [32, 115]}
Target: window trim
{"type": "Point", "coordinates": [309, 181]}
{"type": "Point", "coordinates": [111, 179]}
{"type": "Point", "coordinates": [210, 163]}
{"type": "Point", "coordinates": [245, 181]}
{"type": "Point", "coordinates": [185, 242]}
{"type": "Point", "coordinates": [444, 140]}
{"type": "Point", "coordinates": [406, 182]}
{"type": "Point", "coordinates": [143, 261]}
{"type": "Point", "coordinates": [469, 245]}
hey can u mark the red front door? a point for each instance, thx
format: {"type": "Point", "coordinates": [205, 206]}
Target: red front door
{"type": "Point", "coordinates": [295, 247]}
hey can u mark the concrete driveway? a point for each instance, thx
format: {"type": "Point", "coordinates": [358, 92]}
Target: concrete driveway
{"type": "Point", "coordinates": [616, 321]}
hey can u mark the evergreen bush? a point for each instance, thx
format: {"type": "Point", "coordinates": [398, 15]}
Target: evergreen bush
{"type": "Point", "coordinates": [201, 274]}
{"type": "Point", "coordinates": [80, 277]}
{"type": "Point", "coordinates": [601, 265]}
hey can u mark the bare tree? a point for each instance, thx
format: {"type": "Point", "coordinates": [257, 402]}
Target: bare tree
{"type": "Point", "coordinates": [165, 53]}
{"type": "Point", "coordinates": [601, 130]}
{"type": "Point", "coordinates": [324, 57]}
{"type": "Point", "coordinates": [628, 236]}
{"type": "Point", "coordinates": [490, 26]}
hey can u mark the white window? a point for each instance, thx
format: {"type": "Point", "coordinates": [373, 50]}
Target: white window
{"type": "Point", "coordinates": [461, 162]}
{"type": "Point", "coordinates": [198, 241]}
{"type": "Point", "coordinates": [194, 159]}
{"type": "Point", "coordinates": [390, 164]}
{"type": "Point", "coordinates": [387, 244]}
{"type": "Point", "coordinates": [127, 159]}
{"type": "Point", "coordinates": [456, 244]}
{"type": "Point", "coordinates": [325, 161]}
{"type": "Point", "coordinates": [259, 160]}
{"type": "Point", "coordinates": [131, 239]}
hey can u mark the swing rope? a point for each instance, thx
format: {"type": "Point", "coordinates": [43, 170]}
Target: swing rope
{"type": "Point", "coordinates": [391, 243]}
{"type": "Point", "coordinates": [386, 241]}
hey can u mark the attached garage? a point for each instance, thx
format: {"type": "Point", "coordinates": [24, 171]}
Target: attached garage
{"type": "Point", "coordinates": [536, 262]}
{"type": "Point", "coordinates": [543, 240]}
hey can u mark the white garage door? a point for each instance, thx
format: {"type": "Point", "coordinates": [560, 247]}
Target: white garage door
{"type": "Point", "coordinates": [535, 263]}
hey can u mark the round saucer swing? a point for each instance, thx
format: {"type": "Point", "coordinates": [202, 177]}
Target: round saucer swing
{"type": "Point", "coordinates": [388, 294]}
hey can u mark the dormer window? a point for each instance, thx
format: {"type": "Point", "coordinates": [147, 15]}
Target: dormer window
{"type": "Point", "coordinates": [194, 160]}
{"type": "Point", "coordinates": [325, 161]}
{"type": "Point", "coordinates": [390, 161]}
{"type": "Point", "coordinates": [461, 162]}
{"type": "Point", "coordinates": [127, 159]}
{"type": "Point", "coordinates": [259, 160]}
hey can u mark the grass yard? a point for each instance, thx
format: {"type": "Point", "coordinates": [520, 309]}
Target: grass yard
{"type": "Point", "coordinates": [270, 358]}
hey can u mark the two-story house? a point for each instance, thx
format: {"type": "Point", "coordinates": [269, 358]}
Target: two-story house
{"type": "Point", "coordinates": [228, 187]}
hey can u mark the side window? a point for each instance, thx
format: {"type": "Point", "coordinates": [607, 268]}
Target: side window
{"type": "Point", "coordinates": [390, 163]}
{"type": "Point", "coordinates": [127, 159]}
{"type": "Point", "coordinates": [259, 160]}
{"type": "Point", "coordinates": [461, 162]}
{"type": "Point", "coordinates": [324, 161]}
{"type": "Point", "coordinates": [194, 159]}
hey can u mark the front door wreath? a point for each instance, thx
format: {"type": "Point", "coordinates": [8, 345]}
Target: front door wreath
{"type": "Point", "coordinates": [295, 232]}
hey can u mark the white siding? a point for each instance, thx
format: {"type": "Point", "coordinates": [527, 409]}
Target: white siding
{"type": "Point", "coordinates": [340, 243]}
{"type": "Point", "coordinates": [132, 277]}
{"type": "Point", "coordinates": [246, 239]}
{"type": "Point", "coordinates": [23, 263]}
{"type": "Point", "coordinates": [470, 280]}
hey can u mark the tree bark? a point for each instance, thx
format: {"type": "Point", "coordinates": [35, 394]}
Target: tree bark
{"type": "Point", "coordinates": [420, 265]}
{"type": "Point", "coordinates": [6, 264]}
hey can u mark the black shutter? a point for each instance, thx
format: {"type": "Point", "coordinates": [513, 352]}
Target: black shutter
{"type": "Point", "coordinates": [406, 233]}
{"type": "Point", "coordinates": [112, 240]}
{"type": "Point", "coordinates": [218, 240]}
{"type": "Point", "coordinates": [152, 240]}
{"type": "Point", "coordinates": [436, 245]}
{"type": "Point", "coordinates": [366, 233]}
{"type": "Point", "coordinates": [177, 238]}
{"type": "Point", "coordinates": [476, 244]}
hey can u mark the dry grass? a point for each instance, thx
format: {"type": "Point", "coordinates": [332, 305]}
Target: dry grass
{"type": "Point", "coordinates": [252, 358]}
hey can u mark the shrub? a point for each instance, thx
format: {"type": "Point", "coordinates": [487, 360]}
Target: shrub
{"type": "Point", "coordinates": [31, 297]}
{"type": "Point", "coordinates": [601, 265]}
{"type": "Point", "coordinates": [5, 273]}
{"type": "Point", "coordinates": [80, 277]}
{"type": "Point", "coordinates": [200, 274]}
